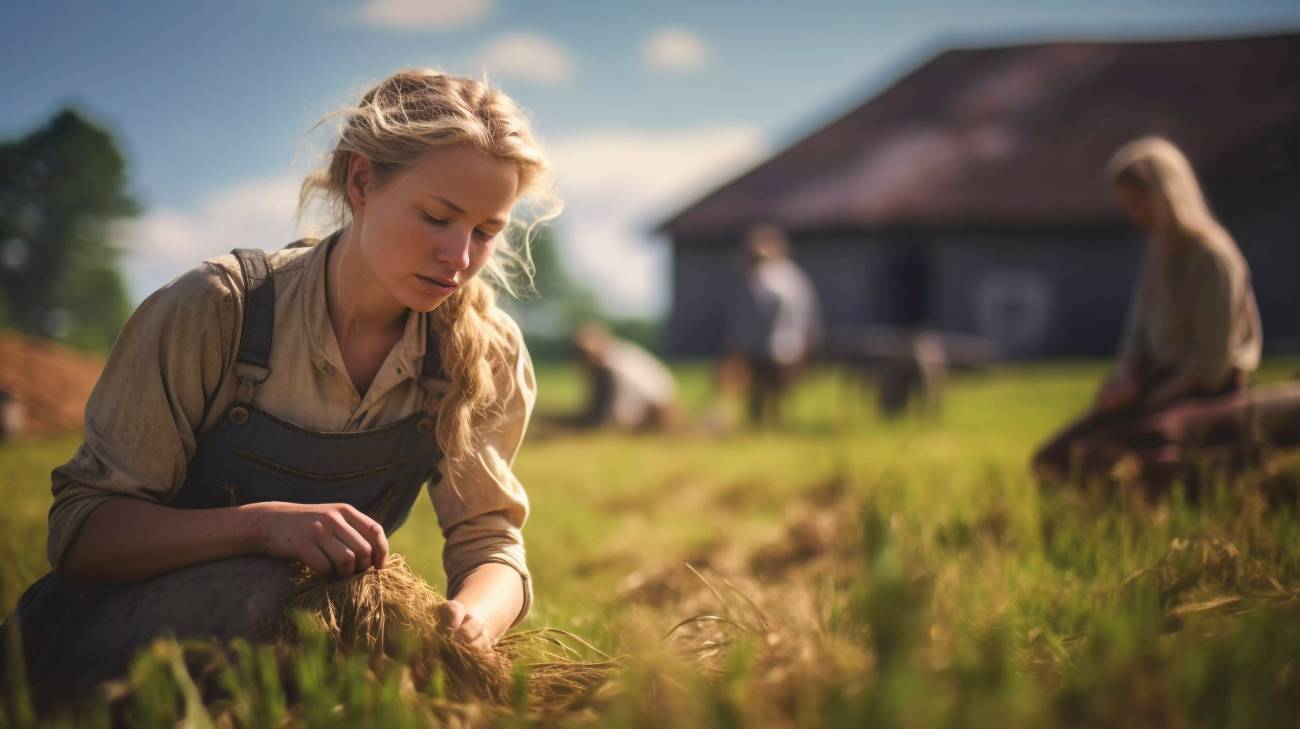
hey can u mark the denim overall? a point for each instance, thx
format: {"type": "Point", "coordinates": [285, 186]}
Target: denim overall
{"type": "Point", "coordinates": [76, 634]}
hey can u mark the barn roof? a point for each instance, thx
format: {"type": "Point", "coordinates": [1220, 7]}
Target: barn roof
{"type": "Point", "coordinates": [1014, 136]}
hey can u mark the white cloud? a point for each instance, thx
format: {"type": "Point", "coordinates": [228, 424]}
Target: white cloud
{"type": "Point", "coordinates": [421, 15]}
{"type": "Point", "coordinates": [529, 56]}
{"type": "Point", "coordinates": [618, 183]}
{"type": "Point", "coordinates": [164, 243]}
{"type": "Point", "coordinates": [675, 49]}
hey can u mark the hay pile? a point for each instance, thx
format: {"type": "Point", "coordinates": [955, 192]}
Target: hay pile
{"type": "Point", "coordinates": [391, 612]}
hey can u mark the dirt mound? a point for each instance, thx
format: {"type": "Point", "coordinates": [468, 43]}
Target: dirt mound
{"type": "Point", "coordinates": [47, 385]}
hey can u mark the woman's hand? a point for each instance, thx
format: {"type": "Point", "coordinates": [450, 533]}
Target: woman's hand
{"type": "Point", "coordinates": [484, 607]}
{"type": "Point", "coordinates": [1180, 385]}
{"type": "Point", "coordinates": [456, 619]}
{"type": "Point", "coordinates": [329, 538]}
{"type": "Point", "coordinates": [1119, 391]}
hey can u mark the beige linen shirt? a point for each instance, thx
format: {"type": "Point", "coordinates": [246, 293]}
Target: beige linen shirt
{"type": "Point", "coordinates": [1194, 312]}
{"type": "Point", "coordinates": [169, 379]}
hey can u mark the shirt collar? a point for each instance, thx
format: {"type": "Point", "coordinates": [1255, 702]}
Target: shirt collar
{"type": "Point", "coordinates": [410, 348]}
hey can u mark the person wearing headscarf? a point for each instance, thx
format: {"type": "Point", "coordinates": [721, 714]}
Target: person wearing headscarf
{"type": "Point", "coordinates": [1193, 330]}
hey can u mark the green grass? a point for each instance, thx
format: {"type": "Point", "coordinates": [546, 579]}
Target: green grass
{"type": "Point", "coordinates": [909, 573]}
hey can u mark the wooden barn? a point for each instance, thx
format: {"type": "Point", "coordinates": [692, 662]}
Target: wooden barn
{"type": "Point", "coordinates": [969, 196]}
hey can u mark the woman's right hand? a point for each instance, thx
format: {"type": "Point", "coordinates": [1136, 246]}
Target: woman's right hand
{"type": "Point", "coordinates": [329, 538]}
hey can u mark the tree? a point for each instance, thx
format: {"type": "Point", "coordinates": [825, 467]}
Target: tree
{"type": "Point", "coordinates": [553, 286]}
{"type": "Point", "coordinates": [62, 187]}
{"type": "Point", "coordinates": [554, 305]}
{"type": "Point", "coordinates": [557, 305]}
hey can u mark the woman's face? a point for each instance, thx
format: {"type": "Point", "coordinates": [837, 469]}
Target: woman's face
{"type": "Point", "coordinates": [1135, 201]}
{"type": "Point", "coordinates": [430, 227]}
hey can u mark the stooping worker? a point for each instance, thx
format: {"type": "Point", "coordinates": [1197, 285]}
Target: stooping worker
{"type": "Point", "coordinates": [1193, 331]}
{"type": "Point", "coordinates": [265, 409]}
{"type": "Point", "coordinates": [628, 387]}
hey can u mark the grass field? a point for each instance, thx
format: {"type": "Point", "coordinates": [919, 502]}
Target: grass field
{"type": "Point", "coordinates": [853, 573]}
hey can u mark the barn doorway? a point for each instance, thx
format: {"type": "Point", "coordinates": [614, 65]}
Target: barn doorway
{"type": "Point", "coordinates": [910, 284]}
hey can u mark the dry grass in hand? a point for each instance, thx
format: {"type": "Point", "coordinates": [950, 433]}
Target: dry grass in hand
{"type": "Point", "coordinates": [392, 612]}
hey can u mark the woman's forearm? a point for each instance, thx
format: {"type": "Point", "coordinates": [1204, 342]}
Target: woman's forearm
{"type": "Point", "coordinates": [128, 539]}
{"type": "Point", "coordinates": [1183, 383]}
{"type": "Point", "coordinates": [494, 593]}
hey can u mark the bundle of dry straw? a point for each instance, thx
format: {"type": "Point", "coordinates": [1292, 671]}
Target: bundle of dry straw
{"type": "Point", "coordinates": [392, 612]}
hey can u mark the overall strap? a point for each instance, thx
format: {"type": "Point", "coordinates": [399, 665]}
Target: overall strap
{"type": "Point", "coordinates": [253, 362]}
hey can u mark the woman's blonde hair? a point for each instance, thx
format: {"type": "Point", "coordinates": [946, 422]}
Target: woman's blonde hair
{"type": "Point", "coordinates": [396, 123]}
{"type": "Point", "coordinates": [1155, 165]}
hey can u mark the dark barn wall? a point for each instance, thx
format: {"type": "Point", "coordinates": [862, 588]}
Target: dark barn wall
{"type": "Point", "coordinates": [1273, 252]}
{"type": "Point", "coordinates": [703, 278]}
{"type": "Point", "coordinates": [1039, 294]}
{"type": "Point", "coordinates": [1266, 227]}
{"type": "Point", "coordinates": [849, 274]}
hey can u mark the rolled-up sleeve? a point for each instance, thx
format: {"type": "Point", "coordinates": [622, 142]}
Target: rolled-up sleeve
{"type": "Point", "coordinates": [481, 505]}
{"type": "Point", "coordinates": [148, 404]}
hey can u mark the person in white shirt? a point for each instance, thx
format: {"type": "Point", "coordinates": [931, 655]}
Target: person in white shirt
{"type": "Point", "coordinates": [630, 389]}
{"type": "Point", "coordinates": [773, 327]}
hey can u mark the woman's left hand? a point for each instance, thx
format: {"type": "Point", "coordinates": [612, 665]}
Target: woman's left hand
{"type": "Point", "coordinates": [1180, 385]}
{"type": "Point", "coordinates": [455, 618]}
{"type": "Point", "coordinates": [1120, 390]}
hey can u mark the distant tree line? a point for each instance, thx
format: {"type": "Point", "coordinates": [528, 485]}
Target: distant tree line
{"type": "Point", "coordinates": [62, 188]}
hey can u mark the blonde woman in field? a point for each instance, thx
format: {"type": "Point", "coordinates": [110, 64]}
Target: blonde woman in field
{"type": "Point", "coordinates": [1193, 331]}
{"type": "Point", "coordinates": [269, 409]}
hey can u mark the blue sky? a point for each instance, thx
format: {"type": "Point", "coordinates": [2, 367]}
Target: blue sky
{"type": "Point", "coordinates": [643, 104]}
